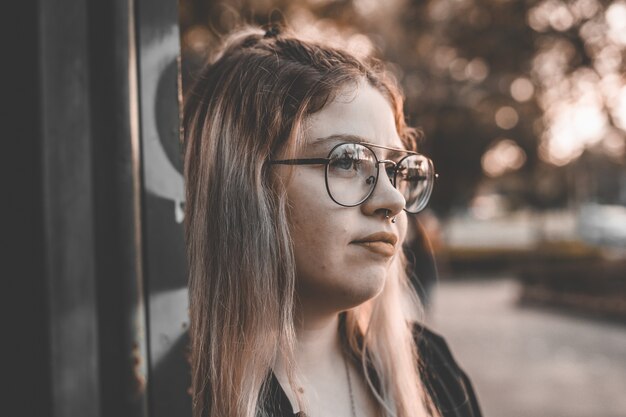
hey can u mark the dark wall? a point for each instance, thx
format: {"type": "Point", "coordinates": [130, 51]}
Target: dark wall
{"type": "Point", "coordinates": [75, 292]}
{"type": "Point", "coordinates": [25, 357]}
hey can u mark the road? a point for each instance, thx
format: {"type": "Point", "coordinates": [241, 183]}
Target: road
{"type": "Point", "coordinates": [526, 361]}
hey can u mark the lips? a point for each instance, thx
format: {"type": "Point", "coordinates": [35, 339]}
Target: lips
{"type": "Point", "coordinates": [381, 243]}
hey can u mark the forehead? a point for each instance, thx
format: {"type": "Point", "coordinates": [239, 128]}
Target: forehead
{"type": "Point", "coordinates": [359, 113]}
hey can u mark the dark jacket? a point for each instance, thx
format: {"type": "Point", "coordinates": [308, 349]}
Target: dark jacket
{"type": "Point", "coordinates": [448, 385]}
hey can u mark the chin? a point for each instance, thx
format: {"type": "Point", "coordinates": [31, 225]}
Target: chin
{"type": "Point", "coordinates": [348, 287]}
{"type": "Point", "coordinates": [366, 285]}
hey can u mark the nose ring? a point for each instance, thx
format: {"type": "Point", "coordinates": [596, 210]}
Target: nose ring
{"type": "Point", "coordinates": [393, 219]}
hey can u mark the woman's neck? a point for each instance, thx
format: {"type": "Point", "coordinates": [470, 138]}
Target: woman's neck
{"type": "Point", "coordinates": [318, 346]}
{"type": "Point", "coordinates": [317, 357]}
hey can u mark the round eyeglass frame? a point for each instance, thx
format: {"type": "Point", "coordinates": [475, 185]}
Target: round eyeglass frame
{"type": "Point", "coordinates": [369, 146]}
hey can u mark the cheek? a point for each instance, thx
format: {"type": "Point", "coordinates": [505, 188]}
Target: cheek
{"type": "Point", "coordinates": [319, 227]}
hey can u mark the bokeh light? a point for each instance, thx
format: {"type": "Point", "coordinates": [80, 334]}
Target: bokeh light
{"type": "Point", "coordinates": [522, 89]}
{"type": "Point", "coordinates": [505, 155]}
{"type": "Point", "coordinates": [477, 70]}
{"type": "Point", "coordinates": [506, 117]}
{"type": "Point", "coordinates": [616, 18]}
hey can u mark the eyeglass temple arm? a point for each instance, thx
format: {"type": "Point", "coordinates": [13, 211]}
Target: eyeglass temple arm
{"type": "Point", "coordinates": [374, 145]}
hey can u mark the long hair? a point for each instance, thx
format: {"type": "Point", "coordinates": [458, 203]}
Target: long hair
{"type": "Point", "coordinates": [248, 105]}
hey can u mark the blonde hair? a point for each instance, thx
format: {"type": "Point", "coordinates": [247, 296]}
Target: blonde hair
{"type": "Point", "coordinates": [247, 106]}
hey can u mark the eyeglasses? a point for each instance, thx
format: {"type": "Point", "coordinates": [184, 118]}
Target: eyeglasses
{"type": "Point", "coordinates": [352, 171]}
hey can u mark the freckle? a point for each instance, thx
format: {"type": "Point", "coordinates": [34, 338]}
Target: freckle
{"type": "Point", "coordinates": [301, 390]}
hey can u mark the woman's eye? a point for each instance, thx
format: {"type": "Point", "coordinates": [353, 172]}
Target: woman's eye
{"type": "Point", "coordinates": [412, 175]}
{"type": "Point", "coordinates": [346, 163]}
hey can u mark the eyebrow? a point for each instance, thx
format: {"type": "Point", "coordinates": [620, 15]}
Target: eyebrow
{"type": "Point", "coordinates": [316, 143]}
{"type": "Point", "coordinates": [319, 142]}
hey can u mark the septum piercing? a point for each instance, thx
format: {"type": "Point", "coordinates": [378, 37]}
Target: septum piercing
{"type": "Point", "coordinates": [393, 219]}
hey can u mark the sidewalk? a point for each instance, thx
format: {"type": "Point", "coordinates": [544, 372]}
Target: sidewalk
{"type": "Point", "coordinates": [530, 362]}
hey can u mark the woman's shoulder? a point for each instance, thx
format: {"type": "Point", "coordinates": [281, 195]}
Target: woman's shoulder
{"type": "Point", "coordinates": [446, 381]}
{"type": "Point", "coordinates": [432, 344]}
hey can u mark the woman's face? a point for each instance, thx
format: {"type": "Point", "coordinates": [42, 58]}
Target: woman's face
{"type": "Point", "coordinates": [334, 270]}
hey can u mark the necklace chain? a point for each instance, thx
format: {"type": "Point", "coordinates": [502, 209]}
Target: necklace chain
{"type": "Point", "coordinates": [352, 407]}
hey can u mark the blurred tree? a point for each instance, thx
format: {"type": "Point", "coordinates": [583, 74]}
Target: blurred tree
{"type": "Point", "coordinates": [479, 75]}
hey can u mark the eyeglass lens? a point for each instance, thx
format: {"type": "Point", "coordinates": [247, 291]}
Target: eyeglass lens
{"type": "Point", "coordinates": [352, 170]}
{"type": "Point", "coordinates": [414, 179]}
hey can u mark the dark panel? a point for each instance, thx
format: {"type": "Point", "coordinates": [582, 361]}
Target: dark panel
{"type": "Point", "coordinates": [92, 209]}
{"type": "Point", "coordinates": [69, 209]}
{"type": "Point", "coordinates": [25, 358]}
{"type": "Point", "coordinates": [121, 308]}
{"type": "Point", "coordinates": [157, 23]}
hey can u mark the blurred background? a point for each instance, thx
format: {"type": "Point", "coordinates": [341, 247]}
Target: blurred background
{"type": "Point", "coordinates": [520, 259]}
{"type": "Point", "coordinates": [523, 106]}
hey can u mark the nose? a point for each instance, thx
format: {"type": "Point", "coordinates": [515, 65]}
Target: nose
{"type": "Point", "coordinates": [385, 199]}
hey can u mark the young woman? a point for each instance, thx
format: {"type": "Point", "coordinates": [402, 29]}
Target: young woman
{"type": "Point", "coordinates": [300, 172]}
